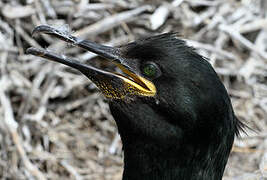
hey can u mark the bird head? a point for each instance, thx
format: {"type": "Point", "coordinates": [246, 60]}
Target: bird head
{"type": "Point", "coordinates": [167, 101]}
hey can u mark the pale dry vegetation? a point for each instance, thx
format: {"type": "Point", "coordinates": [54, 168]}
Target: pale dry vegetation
{"type": "Point", "coordinates": [54, 123]}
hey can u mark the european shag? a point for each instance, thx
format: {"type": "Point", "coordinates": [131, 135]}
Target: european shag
{"type": "Point", "coordinates": [172, 111]}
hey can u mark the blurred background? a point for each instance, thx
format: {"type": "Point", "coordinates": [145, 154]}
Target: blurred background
{"type": "Point", "coordinates": [54, 123]}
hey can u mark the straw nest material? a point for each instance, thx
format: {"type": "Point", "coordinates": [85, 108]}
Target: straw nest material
{"type": "Point", "coordinates": [54, 123]}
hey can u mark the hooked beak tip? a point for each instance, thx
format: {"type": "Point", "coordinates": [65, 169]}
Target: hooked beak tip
{"type": "Point", "coordinates": [38, 29]}
{"type": "Point", "coordinates": [43, 29]}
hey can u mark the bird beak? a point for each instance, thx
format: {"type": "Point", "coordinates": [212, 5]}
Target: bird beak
{"type": "Point", "coordinates": [112, 84]}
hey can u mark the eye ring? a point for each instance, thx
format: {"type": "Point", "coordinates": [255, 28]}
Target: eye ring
{"type": "Point", "coordinates": [150, 70]}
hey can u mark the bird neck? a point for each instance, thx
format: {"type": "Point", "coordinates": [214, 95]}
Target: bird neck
{"type": "Point", "coordinates": [153, 150]}
{"type": "Point", "coordinates": [144, 161]}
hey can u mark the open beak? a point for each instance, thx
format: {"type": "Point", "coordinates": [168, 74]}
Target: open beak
{"type": "Point", "coordinates": [112, 84]}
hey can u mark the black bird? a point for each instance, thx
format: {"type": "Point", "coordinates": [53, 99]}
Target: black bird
{"type": "Point", "coordinates": [173, 113]}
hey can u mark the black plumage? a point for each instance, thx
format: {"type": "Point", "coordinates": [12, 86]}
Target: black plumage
{"type": "Point", "coordinates": [187, 131]}
{"type": "Point", "coordinates": [173, 113]}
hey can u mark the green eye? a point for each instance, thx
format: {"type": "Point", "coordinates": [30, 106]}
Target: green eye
{"type": "Point", "coordinates": [150, 70]}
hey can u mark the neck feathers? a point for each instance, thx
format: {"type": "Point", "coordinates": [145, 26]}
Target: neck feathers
{"type": "Point", "coordinates": [144, 162]}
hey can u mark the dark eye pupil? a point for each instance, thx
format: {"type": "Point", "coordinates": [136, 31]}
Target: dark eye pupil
{"type": "Point", "coordinates": [150, 70]}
